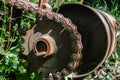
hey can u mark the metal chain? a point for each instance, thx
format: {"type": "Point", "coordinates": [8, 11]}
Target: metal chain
{"type": "Point", "coordinates": [34, 8]}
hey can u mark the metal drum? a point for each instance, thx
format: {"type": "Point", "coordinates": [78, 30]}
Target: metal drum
{"type": "Point", "coordinates": [98, 30]}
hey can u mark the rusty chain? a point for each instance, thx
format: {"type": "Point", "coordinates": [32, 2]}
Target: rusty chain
{"type": "Point", "coordinates": [33, 8]}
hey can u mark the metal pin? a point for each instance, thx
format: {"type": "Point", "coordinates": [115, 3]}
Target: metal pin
{"type": "Point", "coordinates": [60, 46]}
{"type": "Point", "coordinates": [49, 31]}
{"type": "Point", "coordinates": [62, 30]}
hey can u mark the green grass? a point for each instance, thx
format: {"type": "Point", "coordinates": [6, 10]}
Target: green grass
{"type": "Point", "coordinates": [12, 66]}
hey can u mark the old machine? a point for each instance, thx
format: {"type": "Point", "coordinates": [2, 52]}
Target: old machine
{"type": "Point", "coordinates": [72, 42]}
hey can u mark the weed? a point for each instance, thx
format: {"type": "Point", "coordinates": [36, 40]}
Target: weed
{"type": "Point", "coordinates": [11, 66]}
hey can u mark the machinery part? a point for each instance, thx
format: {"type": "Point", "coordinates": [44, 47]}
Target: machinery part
{"type": "Point", "coordinates": [54, 38]}
{"type": "Point", "coordinates": [98, 30]}
{"type": "Point", "coordinates": [80, 1]}
{"type": "Point", "coordinates": [44, 45]}
{"type": "Point", "coordinates": [51, 39]}
{"type": "Point", "coordinates": [43, 4]}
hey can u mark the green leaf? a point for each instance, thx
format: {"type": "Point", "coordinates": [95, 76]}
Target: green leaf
{"type": "Point", "coordinates": [37, 76]}
{"type": "Point", "coordinates": [108, 77]}
{"type": "Point", "coordinates": [23, 77]}
{"type": "Point", "coordinates": [40, 75]}
{"type": "Point", "coordinates": [15, 27]}
{"type": "Point", "coordinates": [12, 39]}
{"type": "Point", "coordinates": [21, 69]}
{"type": "Point", "coordinates": [16, 49]}
{"type": "Point", "coordinates": [2, 78]}
{"type": "Point", "coordinates": [12, 60]}
{"type": "Point", "coordinates": [97, 78]}
{"type": "Point", "coordinates": [112, 68]}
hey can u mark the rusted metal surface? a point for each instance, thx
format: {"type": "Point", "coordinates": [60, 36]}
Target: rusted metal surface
{"type": "Point", "coordinates": [56, 46]}
{"type": "Point", "coordinates": [52, 39]}
{"type": "Point", "coordinates": [44, 45]}
{"type": "Point", "coordinates": [43, 4]}
{"type": "Point", "coordinates": [98, 30]}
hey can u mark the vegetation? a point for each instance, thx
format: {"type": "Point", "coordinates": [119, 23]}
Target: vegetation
{"type": "Point", "coordinates": [12, 67]}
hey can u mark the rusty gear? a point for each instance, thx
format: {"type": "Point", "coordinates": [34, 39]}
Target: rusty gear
{"type": "Point", "coordinates": [50, 29]}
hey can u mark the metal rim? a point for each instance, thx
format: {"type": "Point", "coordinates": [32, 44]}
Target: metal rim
{"type": "Point", "coordinates": [107, 27]}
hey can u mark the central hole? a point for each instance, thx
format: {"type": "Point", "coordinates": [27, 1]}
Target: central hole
{"type": "Point", "coordinates": [41, 46]}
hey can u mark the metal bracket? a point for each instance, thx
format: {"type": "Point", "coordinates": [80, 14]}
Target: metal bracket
{"type": "Point", "coordinates": [43, 4]}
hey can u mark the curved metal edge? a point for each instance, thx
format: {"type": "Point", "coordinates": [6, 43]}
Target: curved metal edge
{"type": "Point", "coordinates": [104, 21]}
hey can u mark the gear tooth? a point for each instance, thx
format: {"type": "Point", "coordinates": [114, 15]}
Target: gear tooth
{"type": "Point", "coordinates": [25, 48]}
{"type": "Point", "coordinates": [25, 44]}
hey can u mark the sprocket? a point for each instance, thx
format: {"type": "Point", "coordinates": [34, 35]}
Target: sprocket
{"type": "Point", "coordinates": [53, 44]}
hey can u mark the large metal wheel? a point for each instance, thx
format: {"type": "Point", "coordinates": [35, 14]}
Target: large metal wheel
{"type": "Point", "coordinates": [52, 45]}
{"type": "Point", "coordinates": [98, 30]}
